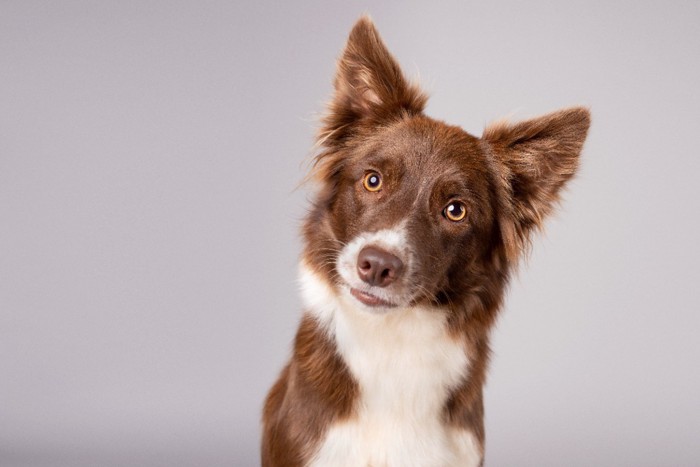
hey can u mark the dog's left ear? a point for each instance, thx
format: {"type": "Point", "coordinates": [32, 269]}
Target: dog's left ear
{"type": "Point", "coordinates": [538, 156]}
{"type": "Point", "coordinates": [369, 86]}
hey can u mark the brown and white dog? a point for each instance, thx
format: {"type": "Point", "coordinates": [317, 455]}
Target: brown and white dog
{"type": "Point", "coordinates": [408, 248]}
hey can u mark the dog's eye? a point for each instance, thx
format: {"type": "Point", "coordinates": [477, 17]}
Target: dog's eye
{"type": "Point", "coordinates": [372, 181]}
{"type": "Point", "coordinates": [455, 211]}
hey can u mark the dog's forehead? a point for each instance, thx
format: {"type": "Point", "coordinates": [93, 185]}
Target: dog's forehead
{"type": "Point", "coordinates": [426, 143]}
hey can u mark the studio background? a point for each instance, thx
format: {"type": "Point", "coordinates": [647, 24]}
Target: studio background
{"type": "Point", "coordinates": [150, 154]}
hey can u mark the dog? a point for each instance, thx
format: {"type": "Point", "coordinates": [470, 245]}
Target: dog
{"type": "Point", "coordinates": [409, 245]}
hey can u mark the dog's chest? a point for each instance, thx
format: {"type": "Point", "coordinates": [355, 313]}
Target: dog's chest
{"type": "Point", "coordinates": [406, 364]}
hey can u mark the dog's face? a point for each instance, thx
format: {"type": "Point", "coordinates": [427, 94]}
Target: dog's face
{"type": "Point", "coordinates": [413, 206]}
{"type": "Point", "coordinates": [415, 211]}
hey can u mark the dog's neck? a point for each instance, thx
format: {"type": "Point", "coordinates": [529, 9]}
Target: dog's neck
{"type": "Point", "coordinates": [383, 341]}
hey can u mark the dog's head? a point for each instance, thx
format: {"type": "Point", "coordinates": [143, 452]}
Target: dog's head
{"type": "Point", "coordinates": [412, 210]}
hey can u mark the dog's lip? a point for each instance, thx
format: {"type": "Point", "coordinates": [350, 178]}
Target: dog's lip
{"type": "Point", "coordinates": [370, 300]}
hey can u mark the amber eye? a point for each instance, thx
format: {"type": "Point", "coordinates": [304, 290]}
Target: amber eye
{"type": "Point", "coordinates": [372, 181]}
{"type": "Point", "coordinates": [455, 211]}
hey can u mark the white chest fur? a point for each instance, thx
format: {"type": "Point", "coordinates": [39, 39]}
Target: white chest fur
{"type": "Point", "coordinates": [406, 364]}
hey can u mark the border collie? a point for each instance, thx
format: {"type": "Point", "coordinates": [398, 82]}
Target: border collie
{"type": "Point", "coordinates": [409, 245]}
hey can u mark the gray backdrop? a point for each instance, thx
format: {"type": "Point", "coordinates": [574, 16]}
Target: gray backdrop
{"type": "Point", "coordinates": [149, 155]}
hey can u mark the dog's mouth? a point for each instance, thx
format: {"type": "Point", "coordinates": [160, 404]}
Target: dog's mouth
{"type": "Point", "coordinates": [371, 300]}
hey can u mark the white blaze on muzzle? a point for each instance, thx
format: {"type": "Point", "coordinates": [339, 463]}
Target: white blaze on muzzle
{"type": "Point", "coordinates": [395, 243]}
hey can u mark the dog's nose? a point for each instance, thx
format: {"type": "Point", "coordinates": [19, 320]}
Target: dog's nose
{"type": "Point", "coordinates": [377, 267]}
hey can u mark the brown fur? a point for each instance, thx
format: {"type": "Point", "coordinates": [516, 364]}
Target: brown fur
{"type": "Point", "coordinates": [509, 179]}
{"type": "Point", "coordinates": [323, 389]}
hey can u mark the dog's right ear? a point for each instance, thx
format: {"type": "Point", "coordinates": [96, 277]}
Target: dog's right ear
{"type": "Point", "coordinates": [369, 86]}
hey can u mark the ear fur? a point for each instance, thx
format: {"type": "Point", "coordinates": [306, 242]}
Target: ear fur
{"type": "Point", "coordinates": [539, 156]}
{"type": "Point", "coordinates": [368, 85]}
